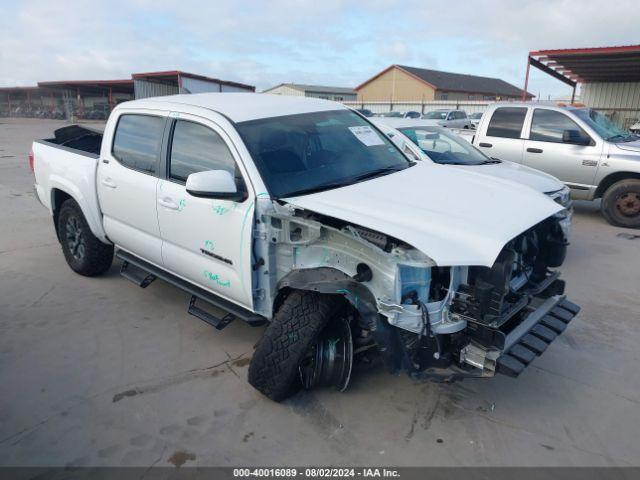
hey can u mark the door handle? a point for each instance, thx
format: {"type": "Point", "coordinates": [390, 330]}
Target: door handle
{"type": "Point", "coordinates": [107, 182]}
{"type": "Point", "coordinates": [486, 145]}
{"type": "Point", "coordinates": [534, 150]}
{"type": "Point", "coordinates": [168, 203]}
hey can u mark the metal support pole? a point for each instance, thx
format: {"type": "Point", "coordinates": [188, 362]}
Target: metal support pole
{"type": "Point", "coordinates": [526, 79]}
{"type": "Point", "coordinates": [573, 94]}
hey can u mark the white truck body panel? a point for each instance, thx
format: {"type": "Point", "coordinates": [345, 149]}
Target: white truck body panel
{"type": "Point", "coordinates": [72, 172]}
{"type": "Point", "coordinates": [418, 206]}
{"type": "Point", "coordinates": [582, 167]}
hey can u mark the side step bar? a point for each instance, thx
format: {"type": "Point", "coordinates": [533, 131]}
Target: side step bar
{"type": "Point", "coordinates": [142, 273]}
{"type": "Point", "coordinates": [531, 339]}
{"type": "Point", "coordinates": [136, 275]}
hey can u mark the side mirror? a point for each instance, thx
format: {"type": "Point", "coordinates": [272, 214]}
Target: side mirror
{"type": "Point", "coordinates": [574, 137]}
{"type": "Point", "coordinates": [218, 184]}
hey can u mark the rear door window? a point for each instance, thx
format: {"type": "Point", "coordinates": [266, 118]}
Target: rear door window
{"type": "Point", "coordinates": [137, 142]}
{"type": "Point", "coordinates": [549, 125]}
{"type": "Point", "coordinates": [507, 122]}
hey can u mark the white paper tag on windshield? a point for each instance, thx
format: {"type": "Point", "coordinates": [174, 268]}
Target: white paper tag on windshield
{"type": "Point", "coordinates": [367, 135]}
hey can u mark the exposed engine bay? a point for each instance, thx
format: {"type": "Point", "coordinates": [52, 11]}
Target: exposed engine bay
{"type": "Point", "coordinates": [430, 321]}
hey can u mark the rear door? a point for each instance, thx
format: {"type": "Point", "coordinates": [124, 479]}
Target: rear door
{"type": "Point", "coordinates": [206, 241]}
{"type": "Point", "coordinates": [545, 150]}
{"type": "Point", "coordinates": [127, 181]}
{"type": "Point", "coordinates": [502, 137]}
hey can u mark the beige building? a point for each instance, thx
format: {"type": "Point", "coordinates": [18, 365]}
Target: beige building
{"type": "Point", "coordinates": [337, 94]}
{"type": "Point", "coordinates": [399, 83]}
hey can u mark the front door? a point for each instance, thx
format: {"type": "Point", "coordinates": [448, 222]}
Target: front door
{"type": "Point", "coordinates": [205, 241]}
{"type": "Point", "coordinates": [127, 182]}
{"type": "Point", "coordinates": [573, 164]}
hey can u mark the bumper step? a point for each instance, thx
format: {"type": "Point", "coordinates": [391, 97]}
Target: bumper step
{"type": "Point", "coordinates": [534, 342]}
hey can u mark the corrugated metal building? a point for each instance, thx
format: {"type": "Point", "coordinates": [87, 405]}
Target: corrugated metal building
{"type": "Point", "coordinates": [609, 77]}
{"type": "Point", "coordinates": [337, 94]}
{"type": "Point", "coordinates": [156, 84]}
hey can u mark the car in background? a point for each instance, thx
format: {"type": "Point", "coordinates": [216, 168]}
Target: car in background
{"type": "Point", "coordinates": [365, 111]}
{"type": "Point", "coordinates": [582, 147]}
{"type": "Point", "coordinates": [439, 145]}
{"type": "Point", "coordinates": [398, 114]}
{"type": "Point", "coordinates": [448, 118]}
{"type": "Point", "coordinates": [474, 118]}
{"type": "Point", "coordinates": [635, 128]}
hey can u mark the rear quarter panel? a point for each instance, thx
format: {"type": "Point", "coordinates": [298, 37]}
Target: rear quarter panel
{"type": "Point", "coordinates": [72, 172]}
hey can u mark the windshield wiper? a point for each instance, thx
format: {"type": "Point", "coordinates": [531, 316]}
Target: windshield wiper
{"type": "Point", "coordinates": [343, 183]}
{"type": "Point", "coordinates": [375, 173]}
{"type": "Point", "coordinates": [317, 188]}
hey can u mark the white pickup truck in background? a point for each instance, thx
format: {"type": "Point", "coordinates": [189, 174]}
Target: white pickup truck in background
{"type": "Point", "coordinates": [579, 146]}
{"type": "Point", "coordinates": [300, 213]}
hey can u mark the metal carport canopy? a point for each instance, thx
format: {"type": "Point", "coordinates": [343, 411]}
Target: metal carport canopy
{"type": "Point", "coordinates": [583, 65]}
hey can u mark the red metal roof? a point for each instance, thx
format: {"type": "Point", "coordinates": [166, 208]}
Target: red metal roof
{"type": "Point", "coordinates": [600, 64]}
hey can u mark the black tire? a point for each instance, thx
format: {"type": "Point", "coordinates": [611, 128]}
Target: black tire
{"type": "Point", "coordinates": [621, 204]}
{"type": "Point", "coordinates": [84, 253]}
{"type": "Point", "coordinates": [294, 329]}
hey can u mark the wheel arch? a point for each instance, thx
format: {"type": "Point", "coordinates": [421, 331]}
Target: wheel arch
{"type": "Point", "coordinates": [60, 194]}
{"type": "Point", "coordinates": [330, 281]}
{"type": "Point", "coordinates": [612, 178]}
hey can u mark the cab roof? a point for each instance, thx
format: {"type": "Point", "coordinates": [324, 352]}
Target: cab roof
{"type": "Point", "coordinates": [239, 107]}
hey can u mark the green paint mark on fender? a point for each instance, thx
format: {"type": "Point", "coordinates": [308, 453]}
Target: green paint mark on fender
{"type": "Point", "coordinates": [182, 204]}
{"type": "Point", "coordinates": [208, 245]}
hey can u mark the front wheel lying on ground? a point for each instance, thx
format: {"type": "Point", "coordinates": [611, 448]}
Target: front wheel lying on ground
{"type": "Point", "coordinates": [84, 253]}
{"type": "Point", "coordinates": [308, 343]}
{"type": "Point", "coordinates": [621, 204]}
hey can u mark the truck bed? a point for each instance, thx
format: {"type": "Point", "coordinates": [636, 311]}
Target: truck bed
{"type": "Point", "coordinates": [77, 137]}
{"type": "Point", "coordinates": [67, 165]}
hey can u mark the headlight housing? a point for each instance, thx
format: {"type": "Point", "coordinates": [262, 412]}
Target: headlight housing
{"type": "Point", "coordinates": [562, 196]}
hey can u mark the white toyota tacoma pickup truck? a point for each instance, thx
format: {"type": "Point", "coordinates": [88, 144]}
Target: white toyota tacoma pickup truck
{"type": "Point", "coordinates": [300, 214]}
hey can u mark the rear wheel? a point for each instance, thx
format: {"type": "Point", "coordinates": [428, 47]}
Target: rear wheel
{"type": "Point", "coordinates": [307, 344]}
{"type": "Point", "coordinates": [84, 253]}
{"type": "Point", "coordinates": [621, 204]}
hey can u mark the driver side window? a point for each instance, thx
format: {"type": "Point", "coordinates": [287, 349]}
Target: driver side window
{"type": "Point", "coordinates": [549, 126]}
{"type": "Point", "coordinates": [196, 148]}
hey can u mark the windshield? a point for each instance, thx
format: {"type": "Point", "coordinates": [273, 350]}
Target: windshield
{"type": "Point", "coordinates": [605, 127]}
{"type": "Point", "coordinates": [435, 115]}
{"type": "Point", "coordinates": [445, 148]}
{"type": "Point", "coordinates": [475, 116]}
{"type": "Point", "coordinates": [309, 152]}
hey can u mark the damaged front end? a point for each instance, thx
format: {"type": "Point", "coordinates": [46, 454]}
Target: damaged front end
{"type": "Point", "coordinates": [427, 320]}
{"type": "Point", "coordinates": [480, 321]}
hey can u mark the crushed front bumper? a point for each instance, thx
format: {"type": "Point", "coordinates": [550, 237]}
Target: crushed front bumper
{"type": "Point", "coordinates": [534, 334]}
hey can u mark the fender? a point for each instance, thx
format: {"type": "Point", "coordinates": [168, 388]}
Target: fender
{"type": "Point", "coordinates": [90, 212]}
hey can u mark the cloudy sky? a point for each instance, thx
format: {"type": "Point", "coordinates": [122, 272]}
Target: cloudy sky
{"type": "Point", "coordinates": [329, 42]}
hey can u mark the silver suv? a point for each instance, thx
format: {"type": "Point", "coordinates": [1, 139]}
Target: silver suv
{"type": "Point", "coordinates": [579, 146]}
